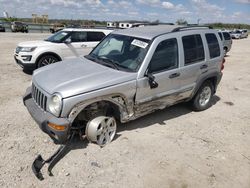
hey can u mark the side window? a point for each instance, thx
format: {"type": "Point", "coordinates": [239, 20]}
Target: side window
{"type": "Point", "coordinates": [165, 56]}
{"type": "Point", "coordinates": [193, 49]}
{"type": "Point", "coordinates": [220, 35]}
{"type": "Point", "coordinates": [226, 36]}
{"type": "Point", "coordinates": [213, 45]}
{"type": "Point", "coordinates": [78, 37]}
{"type": "Point", "coordinates": [95, 36]}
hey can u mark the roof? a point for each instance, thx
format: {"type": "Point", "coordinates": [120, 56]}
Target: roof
{"type": "Point", "coordinates": [147, 32]}
{"type": "Point", "coordinates": [150, 32]}
{"type": "Point", "coordinates": [86, 29]}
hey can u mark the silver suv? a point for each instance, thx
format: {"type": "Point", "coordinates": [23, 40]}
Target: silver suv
{"type": "Point", "coordinates": [127, 75]}
{"type": "Point", "coordinates": [226, 41]}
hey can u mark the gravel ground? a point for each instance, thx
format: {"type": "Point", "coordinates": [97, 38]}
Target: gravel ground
{"type": "Point", "coordinates": [174, 148]}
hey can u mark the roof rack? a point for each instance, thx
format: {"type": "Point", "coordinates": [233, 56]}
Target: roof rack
{"type": "Point", "coordinates": [190, 28]}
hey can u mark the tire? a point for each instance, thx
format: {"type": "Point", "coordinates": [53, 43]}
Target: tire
{"type": "Point", "coordinates": [46, 60]}
{"type": "Point", "coordinates": [202, 99]}
{"type": "Point", "coordinates": [225, 51]}
{"type": "Point", "coordinates": [101, 130]}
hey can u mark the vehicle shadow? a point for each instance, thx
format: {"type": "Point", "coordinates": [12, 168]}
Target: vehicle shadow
{"type": "Point", "coordinates": [160, 116]}
{"type": "Point", "coordinates": [29, 72]}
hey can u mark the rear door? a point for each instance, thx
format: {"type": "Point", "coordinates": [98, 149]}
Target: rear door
{"type": "Point", "coordinates": [193, 62]}
{"type": "Point", "coordinates": [82, 42]}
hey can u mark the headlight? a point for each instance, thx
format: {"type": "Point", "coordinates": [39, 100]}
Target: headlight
{"type": "Point", "coordinates": [27, 49]}
{"type": "Point", "coordinates": [55, 104]}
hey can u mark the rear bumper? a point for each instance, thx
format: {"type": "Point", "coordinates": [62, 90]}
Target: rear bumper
{"type": "Point", "coordinates": [43, 118]}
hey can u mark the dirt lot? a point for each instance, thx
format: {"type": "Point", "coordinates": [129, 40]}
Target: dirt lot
{"type": "Point", "coordinates": [174, 148]}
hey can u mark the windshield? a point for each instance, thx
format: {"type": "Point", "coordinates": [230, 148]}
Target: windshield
{"type": "Point", "coordinates": [58, 37]}
{"type": "Point", "coordinates": [120, 52]}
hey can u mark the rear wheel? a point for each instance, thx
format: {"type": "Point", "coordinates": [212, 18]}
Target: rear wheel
{"type": "Point", "coordinates": [101, 130]}
{"type": "Point", "coordinates": [46, 60]}
{"type": "Point", "coordinates": [202, 99]}
{"type": "Point", "coordinates": [225, 51]}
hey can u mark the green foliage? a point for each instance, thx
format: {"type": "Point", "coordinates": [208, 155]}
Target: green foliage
{"type": "Point", "coordinates": [181, 22]}
{"type": "Point", "coordinates": [10, 19]}
{"type": "Point", "coordinates": [229, 26]}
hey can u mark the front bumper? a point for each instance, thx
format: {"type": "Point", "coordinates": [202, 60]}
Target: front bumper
{"type": "Point", "coordinates": [43, 118]}
{"type": "Point", "coordinates": [25, 64]}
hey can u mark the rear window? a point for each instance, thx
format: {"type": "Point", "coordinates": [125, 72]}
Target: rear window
{"type": "Point", "coordinates": [226, 36]}
{"type": "Point", "coordinates": [193, 49]}
{"type": "Point", "coordinates": [213, 45]}
{"type": "Point", "coordinates": [95, 36]}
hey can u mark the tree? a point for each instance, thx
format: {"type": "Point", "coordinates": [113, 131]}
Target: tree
{"type": "Point", "coordinates": [181, 22]}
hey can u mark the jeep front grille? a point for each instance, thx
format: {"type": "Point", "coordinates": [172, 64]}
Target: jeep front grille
{"type": "Point", "coordinates": [39, 97]}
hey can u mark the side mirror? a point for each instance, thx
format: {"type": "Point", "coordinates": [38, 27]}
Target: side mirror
{"type": "Point", "coordinates": [151, 80]}
{"type": "Point", "coordinates": [68, 41]}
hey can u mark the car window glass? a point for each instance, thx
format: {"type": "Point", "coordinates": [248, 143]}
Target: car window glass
{"type": "Point", "coordinates": [112, 46]}
{"type": "Point", "coordinates": [95, 36]}
{"type": "Point", "coordinates": [165, 56]}
{"type": "Point", "coordinates": [193, 49]}
{"type": "Point", "coordinates": [226, 36]}
{"type": "Point", "coordinates": [78, 36]}
{"type": "Point", "coordinates": [213, 45]}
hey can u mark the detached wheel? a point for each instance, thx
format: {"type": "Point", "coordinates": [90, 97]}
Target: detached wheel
{"type": "Point", "coordinates": [101, 130]}
{"type": "Point", "coordinates": [46, 60]}
{"type": "Point", "coordinates": [202, 99]}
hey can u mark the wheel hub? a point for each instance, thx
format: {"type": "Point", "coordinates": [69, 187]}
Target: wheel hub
{"type": "Point", "coordinates": [205, 96]}
{"type": "Point", "coordinates": [101, 130]}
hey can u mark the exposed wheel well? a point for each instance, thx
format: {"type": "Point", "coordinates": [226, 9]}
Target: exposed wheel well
{"type": "Point", "coordinates": [48, 53]}
{"type": "Point", "coordinates": [213, 80]}
{"type": "Point", "coordinates": [95, 109]}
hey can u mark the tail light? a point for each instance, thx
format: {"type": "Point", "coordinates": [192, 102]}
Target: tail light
{"type": "Point", "coordinates": [222, 64]}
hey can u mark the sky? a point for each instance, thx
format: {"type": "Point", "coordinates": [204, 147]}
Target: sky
{"type": "Point", "coordinates": [206, 11]}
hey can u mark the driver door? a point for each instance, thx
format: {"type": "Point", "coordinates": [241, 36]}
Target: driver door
{"type": "Point", "coordinates": [164, 66]}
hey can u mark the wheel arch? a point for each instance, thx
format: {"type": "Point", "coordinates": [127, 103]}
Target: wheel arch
{"type": "Point", "coordinates": [47, 53]}
{"type": "Point", "coordinates": [117, 103]}
{"type": "Point", "coordinates": [211, 78]}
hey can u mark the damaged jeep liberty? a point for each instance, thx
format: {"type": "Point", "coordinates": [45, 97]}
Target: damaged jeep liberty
{"type": "Point", "coordinates": [130, 73]}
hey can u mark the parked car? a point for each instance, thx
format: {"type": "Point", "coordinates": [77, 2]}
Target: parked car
{"type": "Point", "coordinates": [236, 34]}
{"type": "Point", "coordinates": [226, 41]}
{"type": "Point", "coordinates": [68, 43]}
{"type": "Point", "coordinates": [56, 27]}
{"type": "Point", "coordinates": [19, 27]}
{"type": "Point", "coordinates": [2, 28]}
{"type": "Point", "coordinates": [129, 74]}
{"type": "Point", "coordinates": [244, 33]}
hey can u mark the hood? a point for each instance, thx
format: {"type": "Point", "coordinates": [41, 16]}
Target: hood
{"type": "Point", "coordinates": [76, 76]}
{"type": "Point", "coordinates": [38, 43]}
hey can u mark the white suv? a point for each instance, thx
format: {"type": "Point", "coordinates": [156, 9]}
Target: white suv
{"type": "Point", "coordinates": [68, 43]}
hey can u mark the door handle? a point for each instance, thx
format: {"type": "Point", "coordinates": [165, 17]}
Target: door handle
{"type": "Point", "coordinates": [203, 66]}
{"type": "Point", "coordinates": [83, 45]}
{"type": "Point", "coordinates": [174, 75]}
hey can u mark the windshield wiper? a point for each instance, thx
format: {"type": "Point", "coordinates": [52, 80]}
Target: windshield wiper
{"type": "Point", "coordinates": [108, 61]}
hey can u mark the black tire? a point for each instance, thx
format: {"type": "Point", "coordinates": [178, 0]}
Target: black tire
{"type": "Point", "coordinates": [46, 60]}
{"type": "Point", "coordinates": [225, 51]}
{"type": "Point", "coordinates": [202, 99]}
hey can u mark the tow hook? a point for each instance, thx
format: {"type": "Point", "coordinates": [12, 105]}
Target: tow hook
{"type": "Point", "coordinates": [39, 162]}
